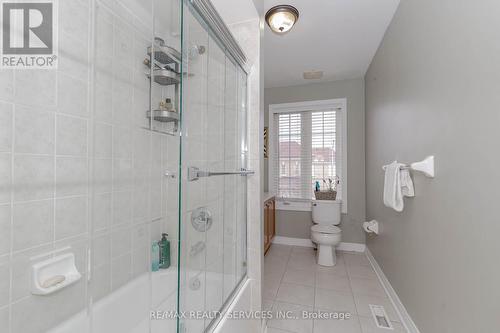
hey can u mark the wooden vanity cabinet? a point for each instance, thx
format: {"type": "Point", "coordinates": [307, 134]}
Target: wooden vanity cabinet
{"type": "Point", "coordinates": [269, 222]}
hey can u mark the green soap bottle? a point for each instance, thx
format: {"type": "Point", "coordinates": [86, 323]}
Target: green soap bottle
{"type": "Point", "coordinates": [164, 244]}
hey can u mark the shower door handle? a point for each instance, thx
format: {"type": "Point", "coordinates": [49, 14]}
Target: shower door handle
{"type": "Point", "coordinates": [195, 173]}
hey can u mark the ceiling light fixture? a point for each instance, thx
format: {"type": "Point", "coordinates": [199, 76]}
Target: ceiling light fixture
{"type": "Point", "coordinates": [281, 18]}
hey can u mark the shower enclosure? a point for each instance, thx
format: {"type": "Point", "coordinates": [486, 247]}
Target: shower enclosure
{"type": "Point", "coordinates": [140, 131]}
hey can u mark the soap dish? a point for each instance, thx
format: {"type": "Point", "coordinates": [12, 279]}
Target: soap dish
{"type": "Point", "coordinates": [54, 274]}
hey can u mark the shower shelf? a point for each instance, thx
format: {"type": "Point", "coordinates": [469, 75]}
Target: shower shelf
{"type": "Point", "coordinates": [165, 54]}
{"type": "Point", "coordinates": [164, 116]}
{"type": "Point", "coordinates": [165, 77]}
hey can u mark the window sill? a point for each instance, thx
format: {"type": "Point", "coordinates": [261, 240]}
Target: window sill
{"type": "Point", "coordinates": [298, 205]}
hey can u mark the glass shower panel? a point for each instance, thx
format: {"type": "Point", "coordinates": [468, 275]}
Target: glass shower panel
{"type": "Point", "coordinates": [213, 206]}
{"type": "Point", "coordinates": [215, 185]}
{"type": "Point", "coordinates": [231, 162]}
{"type": "Point", "coordinates": [195, 207]}
{"type": "Point", "coordinates": [241, 224]}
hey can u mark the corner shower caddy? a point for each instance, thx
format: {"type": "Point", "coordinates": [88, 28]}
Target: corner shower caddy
{"type": "Point", "coordinates": [166, 67]}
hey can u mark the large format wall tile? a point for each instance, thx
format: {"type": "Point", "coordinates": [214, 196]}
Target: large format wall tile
{"type": "Point", "coordinates": [6, 118]}
{"type": "Point", "coordinates": [71, 136]}
{"type": "Point", "coordinates": [5, 177]}
{"type": "Point", "coordinates": [33, 224]}
{"type": "Point", "coordinates": [5, 227]}
{"type": "Point", "coordinates": [71, 217]}
{"type": "Point", "coordinates": [34, 131]}
{"type": "Point", "coordinates": [33, 177]}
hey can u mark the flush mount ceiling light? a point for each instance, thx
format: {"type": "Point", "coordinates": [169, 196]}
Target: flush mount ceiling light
{"type": "Point", "coordinates": [281, 18]}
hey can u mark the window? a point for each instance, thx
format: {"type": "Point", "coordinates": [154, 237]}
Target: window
{"type": "Point", "coordinates": [307, 146]}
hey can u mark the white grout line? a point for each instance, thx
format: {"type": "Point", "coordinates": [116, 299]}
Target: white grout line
{"type": "Point", "coordinates": [352, 293]}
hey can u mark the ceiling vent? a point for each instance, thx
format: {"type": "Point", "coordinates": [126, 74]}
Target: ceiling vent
{"type": "Point", "coordinates": [313, 75]}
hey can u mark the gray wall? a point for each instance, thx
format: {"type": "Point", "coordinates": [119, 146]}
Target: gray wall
{"type": "Point", "coordinates": [434, 88]}
{"type": "Point", "coordinates": [353, 90]}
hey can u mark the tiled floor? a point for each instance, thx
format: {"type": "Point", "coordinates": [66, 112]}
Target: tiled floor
{"type": "Point", "coordinates": [294, 282]}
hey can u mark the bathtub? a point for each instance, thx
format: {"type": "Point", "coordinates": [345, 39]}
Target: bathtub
{"type": "Point", "coordinates": [127, 309]}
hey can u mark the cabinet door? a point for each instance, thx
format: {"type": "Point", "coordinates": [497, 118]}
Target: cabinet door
{"type": "Point", "coordinates": [272, 219]}
{"type": "Point", "coordinates": [266, 227]}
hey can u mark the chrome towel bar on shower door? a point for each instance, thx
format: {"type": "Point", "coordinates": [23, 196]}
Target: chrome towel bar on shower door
{"type": "Point", "coordinates": [194, 173]}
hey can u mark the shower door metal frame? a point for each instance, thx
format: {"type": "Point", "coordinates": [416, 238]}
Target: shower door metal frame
{"type": "Point", "coordinates": [216, 28]}
{"type": "Point", "coordinates": [213, 20]}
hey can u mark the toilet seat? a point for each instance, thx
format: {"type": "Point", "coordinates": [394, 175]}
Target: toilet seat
{"type": "Point", "coordinates": [326, 229]}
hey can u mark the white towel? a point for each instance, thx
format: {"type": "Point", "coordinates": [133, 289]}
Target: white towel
{"type": "Point", "coordinates": [397, 184]}
{"type": "Point", "coordinates": [406, 183]}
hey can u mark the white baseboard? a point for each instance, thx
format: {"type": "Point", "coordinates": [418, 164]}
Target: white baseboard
{"type": "Point", "coordinates": [396, 302]}
{"type": "Point", "coordinates": [293, 241]}
{"type": "Point", "coordinates": [305, 242]}
{"type": "Point", "coordinates": [351, 247]}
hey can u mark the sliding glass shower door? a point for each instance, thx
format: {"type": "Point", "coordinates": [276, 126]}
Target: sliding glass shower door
{"type": "Point", "coordinates": [213, 166]}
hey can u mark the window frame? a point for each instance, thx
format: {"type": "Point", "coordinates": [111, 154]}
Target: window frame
{"type": "Point", "coordinates": [339, 105]}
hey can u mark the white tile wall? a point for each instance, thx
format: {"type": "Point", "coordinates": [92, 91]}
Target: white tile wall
{"type": "Point", "coordinates": [5, 177]}
{"type": "Point", "coordinates": [34, 131]}
{"type": "Point", "coordinates": [6, 111]}
{"type": "Point", "coordinates": [76, 167]}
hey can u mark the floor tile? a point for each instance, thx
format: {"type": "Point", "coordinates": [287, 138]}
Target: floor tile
{"type": "Point", "coordinates": [267, 305]}
{"type": "Point", "coordinates": [302, 262]}
{"type": "Point", "coordinates": [275, 265]}
{"type": "Point", "coordinates": [275, 330]}
{"type": "Point", "coordinates": [363, 306]}
{"type": "Point", "coordinates": [333, 282]}
{"type": "Point", "coordinates": [302, 277]}
{"type": "Point", "coordinates": [270, 289]}
{"type": "Point", "coordinates": [356, 259]}
{"type": "Point", "coordinates": [350, 325]}
{"type": "Point", "coordinates": [296, 294]}
{"type": "Point", "coordinates": [368, 326]}
{"type": "Point", "coordinates": [334, 300]}
{"type": "Point", "coordinates": [367, 286]}
{"type": "Point", "coordinates": [361, 271]}
{"type": "Point", "coordinates": [292, 325]}
{"type": "Point", "coordinates": [278, 250]}
{"type": "Point", "coordinates": [293, 280]}
{"type": "Point", "coordinates": [338, 269]}
{"type": "Point", "coordinates": [311, 256]}
{"type": "Point", "coordinates": [273, 274]}
{"type": "Point", "coordinates": [303, 250]}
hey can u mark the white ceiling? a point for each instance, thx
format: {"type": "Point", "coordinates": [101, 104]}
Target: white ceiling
{"type": "Point", "coordinates": [338, 37]}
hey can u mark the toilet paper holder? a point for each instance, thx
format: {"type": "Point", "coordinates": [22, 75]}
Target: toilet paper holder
{"type": "Point", "coordinates": [371, 227]}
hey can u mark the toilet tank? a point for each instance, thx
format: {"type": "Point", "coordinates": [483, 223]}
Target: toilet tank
{"type": "Point", "coordinates": [326, 212]}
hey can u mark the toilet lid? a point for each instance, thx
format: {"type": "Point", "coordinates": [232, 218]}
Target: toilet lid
{"type": "Point", "coordinates": [326, 229]}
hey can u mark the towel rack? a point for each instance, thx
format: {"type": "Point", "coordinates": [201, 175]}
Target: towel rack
{"type": "Point", "coordinates": [426, 166]}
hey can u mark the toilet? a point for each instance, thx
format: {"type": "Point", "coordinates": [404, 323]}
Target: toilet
{"type": "Point", "coordinates": [325, 231]}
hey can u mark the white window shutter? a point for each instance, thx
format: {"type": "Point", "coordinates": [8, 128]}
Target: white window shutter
{"type": "Point", "coordinates": [308, 148]}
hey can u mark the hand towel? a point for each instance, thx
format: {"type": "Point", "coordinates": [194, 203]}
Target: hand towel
{"type": "Point", "coordinates": [407, 183]}
{"type": "Point", "coordinates": [393, 195]}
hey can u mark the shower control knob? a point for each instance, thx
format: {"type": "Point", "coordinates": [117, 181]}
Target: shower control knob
{"type": "Point", "coordinates": [169, 174]}
{"type": "Point", "coordinates": [201, 219]}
